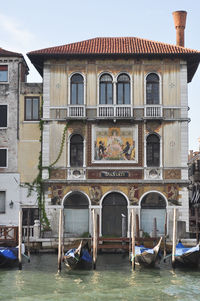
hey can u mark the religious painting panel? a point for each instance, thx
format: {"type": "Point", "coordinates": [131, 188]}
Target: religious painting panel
{"type": "Point", "coordinates": [115, 144]}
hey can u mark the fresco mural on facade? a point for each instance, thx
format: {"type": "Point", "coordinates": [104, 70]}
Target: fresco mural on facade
{"type": "Point", "coordinates": [134, 195]}
{"type": "Point", "coordinates": [56, 194]}
{"type": "Point", "coordinates": [95, 194]}
{"type": "Point", "coordinates": [115, 144]}
{"type": "Point", "coordinates": [173, 195]}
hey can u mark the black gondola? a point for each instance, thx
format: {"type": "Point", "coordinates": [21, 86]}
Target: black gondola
{"type": "Point", "coordinates": [78, 258]}
{"type": "Point", "coordinates": [8, 257]}
{"type": "Point", "coordinates": [147, 257]}
{"type": "Point", "coordinates": [186, 257]}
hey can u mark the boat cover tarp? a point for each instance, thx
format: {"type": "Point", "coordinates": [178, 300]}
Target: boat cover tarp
{"type": "Point", "coordinates": [140, 249]}
{"type": "Point", "coordinates": [8, 253]}
{"type": "Point", "coordinates": [71, 253]}
{"type": "Point", "coordinates": [86, 256]}
{"type": "Point", "coordinates": [180, 249]}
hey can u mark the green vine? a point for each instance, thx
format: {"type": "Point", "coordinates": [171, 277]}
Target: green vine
{"type": "Point", "coordinates": [61, 146]}
{"type": "Point", "coordinates": [37, 184]}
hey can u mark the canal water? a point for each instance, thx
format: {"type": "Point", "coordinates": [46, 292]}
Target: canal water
{"type": "Point", "coordinates": [112, 280]}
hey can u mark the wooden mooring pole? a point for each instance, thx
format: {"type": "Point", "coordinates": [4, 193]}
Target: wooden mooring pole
{"type": "Point", "coordinates": [137, 226]}
{"type": "Point", "coordinates": [165, 236]}
{"type": "Point", "coordinates": [28, 235]}
{"type": "Point", "coordinates": [133, 237]}
{"type": "Point", "coordinates": [20, 240]}
{"type": "Point", "coordinates": [94, 247]}
{"type": "Point", "coordinates": [60, 239]}
{"type": "Point", "coordinates": [174, 239]}
{"type": "Point", "coordinates": [197, 224]}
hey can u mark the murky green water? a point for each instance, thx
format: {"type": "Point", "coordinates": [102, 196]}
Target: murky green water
{"type": "Point", "coordinates": [113, 280]}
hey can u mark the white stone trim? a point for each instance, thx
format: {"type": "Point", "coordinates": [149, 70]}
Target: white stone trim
{"type": "Point", "coordinates": [46, 91]}
{"type": "Point", "coordinates": [45, 150]}
{"type": "Point", "coordinates": [84, 87]}
{"type": "Point", "coordinates": [70, 135]}
{"type": "Point", "coordinates": [183, 90]}
{"type": "Point", "coordinates": [184, 144]}
{"type": "Point", "coordinates": [5, 64]}
{"type": "Point", "coordinates": [6, 148]}
{"type": "Point", "coordinates": [131, 85]}
{"type": "Point", "coordinates": [100, 211]}
{"type": "Point", "coordinates": [160, 86]}
{"type": "Point", "coordinates": [89, 205]}
{"type": "Point", "coordinates": [5, 104]}
{"type": "Point", "coordinates": [98, 86]}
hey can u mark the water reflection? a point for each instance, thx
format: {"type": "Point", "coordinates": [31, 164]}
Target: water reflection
{"type": "Point", "coordinates": [113, 280]}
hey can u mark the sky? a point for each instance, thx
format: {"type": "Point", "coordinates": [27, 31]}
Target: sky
{"type": "Point", "coordinates": [30, 25]}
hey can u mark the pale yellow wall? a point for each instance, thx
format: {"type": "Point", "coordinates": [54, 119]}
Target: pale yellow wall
{"type": "Point", "coordinates": [91, 70]}
{"type": "Point", "coordinates": [171, 84]}
{"type": "Point", "coordinates": [56, 133]}
{"type": "Point", "coordinates": [28, 154]}
{"type": "Point", "coordinates": [172, 144]}
{"type": "Point", "coordinates": [29, 145]}
{"type": "Point", "coordinates": [91, 85]}
{"type": "Point", "coordinates": [58, 85]}
{"type": "Point", "coordinates": [138, 86]}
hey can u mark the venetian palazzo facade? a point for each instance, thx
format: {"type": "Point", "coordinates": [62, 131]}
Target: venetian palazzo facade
{"type": "Point", "coordinates": [115, 134]}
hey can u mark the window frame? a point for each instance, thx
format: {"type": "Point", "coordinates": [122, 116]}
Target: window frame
{"type": "Point", "coordinates": [159, 87]}
{"type": "Point", "coordinates": [70, 146]}
{"type": "Point", "coordinates": [153, 151]}
{"type": "Point", "coordinates": [70, 89]}
{"type": "Point", "coordinates": [7, 81]}
{"type": "Point", "coordinates": [31, 97]}
{"type": "Point", "coordinates": [5, 127]}
{"type": "Point", "coordinates": [99, 89]}
{"type": "Point", "coordinates": [6, 149]}
{"type": "Point", "coordinates": [3, 212]}
{"type": "Point", "coordinates": [129, 82]}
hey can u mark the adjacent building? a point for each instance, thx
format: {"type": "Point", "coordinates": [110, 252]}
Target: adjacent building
{"type": "Point", "coordinates": [13, 71]}
{"type": "Point", "coordinates": [115, 131]}
{"type": "Point", "coordinates": [194, 191]}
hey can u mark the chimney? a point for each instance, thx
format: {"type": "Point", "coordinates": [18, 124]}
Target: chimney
{"type": "Point", "coordinates": [179, 22]}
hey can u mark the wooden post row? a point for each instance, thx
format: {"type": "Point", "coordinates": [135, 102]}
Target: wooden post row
{"type": "Point", "coordinates": [174, 239]}
{"type": "Point", "coordinates": [60, 239]}
{"type": "Point", "coordinates": [20, 240]}
{"type": "Point", "coordinates": [133, 237]}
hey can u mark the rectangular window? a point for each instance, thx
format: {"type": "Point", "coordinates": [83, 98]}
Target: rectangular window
{"type": "Point", "coordinates": [3, 73]}
{"type": "Point", "coordinates": [2, 201]}
{"type": "Point", "coordinates": [32, 108]}
{"type": "Point", "coordinates": [3, 116]}
{"type": "Point", "coordinates": [3, 157]}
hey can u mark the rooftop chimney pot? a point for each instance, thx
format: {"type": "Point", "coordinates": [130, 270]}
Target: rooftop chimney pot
{"type": "Point", "coordinates": [179, 22]}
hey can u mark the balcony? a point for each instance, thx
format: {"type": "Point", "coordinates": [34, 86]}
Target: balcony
{"type": "Point", "coordinates": [115, 111]}
{"type": "Point", "coordinates": [76, 111]}
{"type": "Point", "coordinates": [153, 111]}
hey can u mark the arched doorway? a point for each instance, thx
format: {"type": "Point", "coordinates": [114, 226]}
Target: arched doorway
{"type": "Point", "coordinates": [113, 206]}
{"type": "Point", "coordinates": [153, 205]}
{"type": "Point", "coordinates": [76, 214]}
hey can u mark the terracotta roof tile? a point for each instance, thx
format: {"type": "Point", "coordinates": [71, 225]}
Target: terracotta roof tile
{"type": "Point", "coordinates": [4, 52]}
{"type": "Point", "coordinates": [122, 45]}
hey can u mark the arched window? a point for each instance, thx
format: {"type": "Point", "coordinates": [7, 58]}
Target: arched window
{"type": "Point", "coordinates": [76, 151]}
{"type": "Point", "coordinates": [77, 90]}
{"type": "Point", "coordinates": [152, 89]}
{"type": "Point", "coordinates": [123, 89]}
{"type": "Point", "coordinates": [106, 90]}
{"type": "Point", "coordinates": [153, 150]}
